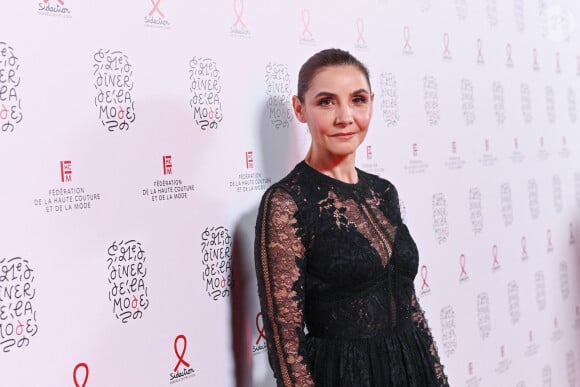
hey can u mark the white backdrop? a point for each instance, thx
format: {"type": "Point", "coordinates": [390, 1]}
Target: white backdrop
{"type": "Point", "coordinates": [137, 137]}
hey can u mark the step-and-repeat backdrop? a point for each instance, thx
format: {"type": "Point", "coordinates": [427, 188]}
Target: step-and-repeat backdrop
{"type": "Point", "coordinates": [137, 137]}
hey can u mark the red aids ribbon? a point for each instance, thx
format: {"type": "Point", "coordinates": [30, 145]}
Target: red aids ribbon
{"type": "Point", "coordinates": [407, 36]}
{"type": "Point", "coordinates": [239, 13]}
{"type": "Point", "coordinates": [463, 273]}
{"type": "Point", "coordinates": [508, 49]}
{"type": "Point", "coordinates": [360, 27]}
{"type": "Point", "coordinates": [424, 277]}
{"type": "Point", "coordinates": [180, 359]}
{"type": "Point", "coordinates": [61, 2]}
{"type": "Point", "coordinates": [156, 8]}
{"type": "Point", "coordinates": [479, 50]}
{"type": "Point", "coordinates": [446, 52]}
{"type": "Point", "coordinates": [75, 379]}
{"type": "Point", "coordinates": [261, 333]}
{"type": "Point", "coordinates": [494, 254]}
{"type": "Point", "coordinates": [306, 23]}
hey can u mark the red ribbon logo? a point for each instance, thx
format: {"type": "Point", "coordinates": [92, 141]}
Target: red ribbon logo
{"type": "Point", "coordinates": [424, 285]}
{"type": "Point", "coordinates": [306, 24]}
{"type": "Point", "coordinates": [156, 8]}
{"type": "Point", "coordinates": [407, 37]}
{"type": "Point", "coordinates": [239, 13]}
{"type": "Point", "coordinates": [360, 27]}
{"type": "Point", "coordinates": [463, 274]}
{"type": "Point", "coordinates": [446, 52]}
{"type": "Point", "coordinates": [180, 357]}
{"type": "Point", "coordinates": [261, 333]}
{"type": "Point", "coordinates": [61, 2]}
{"type": "Point", "coordinates": [75, 379]}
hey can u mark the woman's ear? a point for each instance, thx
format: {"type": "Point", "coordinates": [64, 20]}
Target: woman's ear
{"type": "Point", "coordinates": [298, 109]}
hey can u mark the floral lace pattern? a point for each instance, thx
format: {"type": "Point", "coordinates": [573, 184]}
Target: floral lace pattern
{"type": "Point", "coordinates": [336, 261]}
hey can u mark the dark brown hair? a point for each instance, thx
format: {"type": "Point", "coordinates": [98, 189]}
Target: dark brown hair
{"type": "Point", "coordinates": [326, 58]}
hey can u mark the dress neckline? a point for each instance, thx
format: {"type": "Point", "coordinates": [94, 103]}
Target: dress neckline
{"type": "Point", "coordinates": [320, 177]}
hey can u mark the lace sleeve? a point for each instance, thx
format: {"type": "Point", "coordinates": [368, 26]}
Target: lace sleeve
{"type": "Point", "coordinates": [425, 333]}
{"type": "Point", "coordinates": [279, 256]}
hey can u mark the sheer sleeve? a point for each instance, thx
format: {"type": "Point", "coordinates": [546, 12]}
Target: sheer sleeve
{"type": "Point", "coordinates": [425, 333]}
{"type": "Point", "coordinates": [279, 258]}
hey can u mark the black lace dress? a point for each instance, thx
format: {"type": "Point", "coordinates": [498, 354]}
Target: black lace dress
{"type": "Point", "coordinates": [335, 267]}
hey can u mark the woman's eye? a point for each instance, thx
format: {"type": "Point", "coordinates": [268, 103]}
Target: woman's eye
{"type": "Point", "coordinates": [359, 99]}
{"type": "Point", "coordinates": [325, 102]}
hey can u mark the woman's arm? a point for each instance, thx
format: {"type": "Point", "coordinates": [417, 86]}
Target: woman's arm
{"type": "Point", "coordinates": [279, 257]}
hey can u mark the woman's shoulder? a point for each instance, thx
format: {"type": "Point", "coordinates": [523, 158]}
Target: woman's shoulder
{"type": "Point", "coordinates": [377, 183]}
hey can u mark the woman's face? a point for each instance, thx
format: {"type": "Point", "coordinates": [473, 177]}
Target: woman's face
{"type": "Point", "coordinates": [337, 107]}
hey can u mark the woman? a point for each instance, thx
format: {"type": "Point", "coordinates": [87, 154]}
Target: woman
{"type": "Point", "coordinates": [333, 257]}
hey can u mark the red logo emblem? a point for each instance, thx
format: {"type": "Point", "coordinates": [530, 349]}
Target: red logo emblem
{"type": "Point", "coordinates": [167, 165]}
{"type": "Point", "coordinates": [75, 372]}
{"type": "Point", "coordinates": [66, 171]}
{"type": "Point", "coordinates": [249, 160]}
{"type": "Point", "coordinates": [180, 356]}
{"type": "Point", "coordinates": [260, 328]}
{"type": "Point", "coordinates": [156, 8]}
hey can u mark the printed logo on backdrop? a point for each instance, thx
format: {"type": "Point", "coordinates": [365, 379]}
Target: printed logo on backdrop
{"type": "Point", "coordinates": [504, 364]}
{"type": "Point", "coordinates": [524, 243]}
{"type": "Point", "coordinates": [182, 369]}
{"type": "Point", "coordinates": [571, 368]}
{"type": "Point", "coordinates": [495, 265]}
{"type": "Point", "coordinates": [483, 315]}
{"type": "Point", "coordinates": [526, 102]}
{"type": "Point", "coordinates": [440, 224]}
{"type": "Point", "coordinates": [205, 89]}
{"type": "Point", "coordinates": [66, 199]}
{"type": "Point", "coordinates": [448, 335]}
{"type": "Point", "coordinates": [168, 188]}
{"type": "Point", "coordinates": [10, 102]}
{"type": "Point", "coordinates": [507, 211]}
{"type": "Point", "coordinates": [155, 17]}
{"type": "Point", "coordinates": [126, 276]}
{"type": "Point", "coordinates": [390, 99]}
{"type": "Point", "coordinates": [461, 9]}
{"type": "Point", "coordinates": [540, 285]}
{"type": "Point", "coordinates": [487, 159]}
{"type": "Point", "coordinates": [114, 84]}
{"type": "Point", "coordinates": [532, 347]}
{"type": "Point", "coordinates": [216, 250]}
{"type": "Point", "coordinates": [509, 62]}
{"type": "Point", "coordinates": [463, 276]}
{"type": "Point", "coordinates": [80, 378]}
{"type": "Point", "coordinates": [18, 324]}
{"type": "Point", "coordinates": [249, 181]}
{"type": "Point", "coordinates": [491, 10]}
{"type": "Point", "coordinates": [557, 333]}
{"type": "Point", "coordinates": [475, 210]}
{"type": "Point", "coordinates": [533, 200]}
{"type": "Point", "coordinates": [54, 8]}
{"type": "Point", "coordinates": [519, 19]}
{"type": "Point", "coordinates": [306, 36]}
{"type": "Point", "coordinates": [415, 165]}
{"type": "Point", "coordinates": [473, 380]}
{"type": "Point", "coordinates": [360, 42]}
{"type": "Point", "coordinates": [479, 44]}
{"type": "Point", "coordinates": [498, 102]}
{"type": "Point", "coordinates": [279, 95]}
{"type": "Point", "coordinates": [431, 100]}
{"type": "Point", "coordinates": [536, 64]}
{"type": "Point", "coordinates": [557, 193]}
{"type": "Point", "coordinates": [425, 288]}
{"type": "Point", "coordinates": [260, 345]}
{"type": "Point", "coordinates": [577, 187]}
{"type": "Point", "coordinates": [564, 151]}
{"type": "Point", "coordinates": [547, 376]}
{"type": "Point", "coordinates": [550, 104]}
{"type": "Point", "coordinates": [514, 301]}
{"type": "Point", "coordinates": [446, 51]}
{"type": "Point", "coordinates": [239, 27]}
{"type": "Point", "coordinates": [517, 156]}
{"type": "Point", "coordinates": [454, 161]}
{"type": "Point", "coordinates": [549, 244]}
{"type": "Point", "coordinates": [572, 238]}
{"type": "Point", "coordinates": [564, 282]}
{"type": "Point", "coordinates": [467, 101]}
{"type": "Point", "coordinates": [542, 153]}
{"type": "Point", "coordinates": [572, 112]}
{"type": "Point", "coordinates": [369, 165]}
{"type": "Point", "coordinates": [407, 49]}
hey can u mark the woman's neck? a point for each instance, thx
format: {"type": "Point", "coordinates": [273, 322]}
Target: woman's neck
{"type": "Point", "coordinates": [339, 168]}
